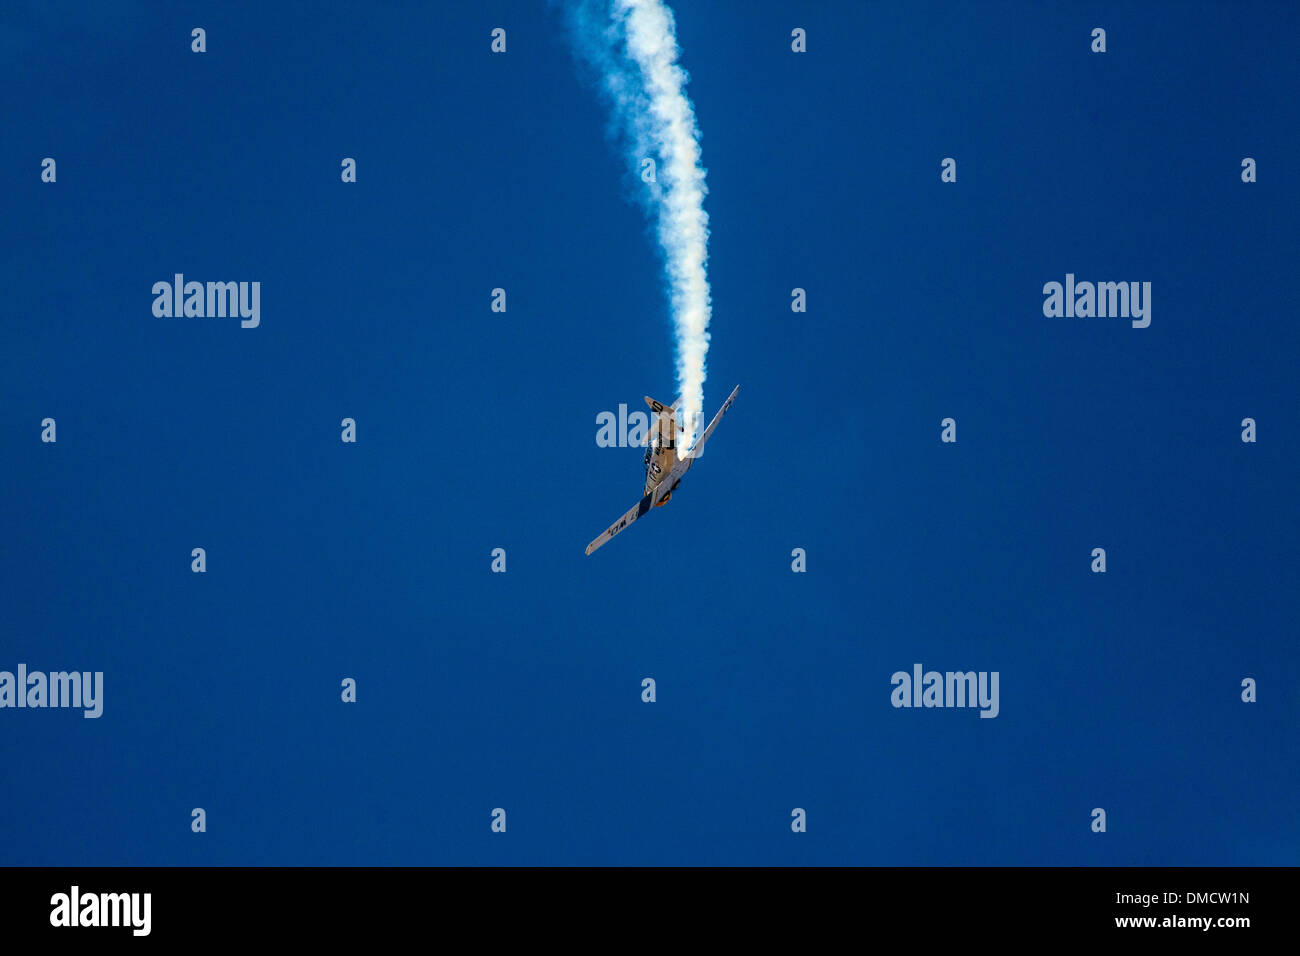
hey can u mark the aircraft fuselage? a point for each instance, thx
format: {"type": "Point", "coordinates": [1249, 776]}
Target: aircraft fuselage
{"type": "Point", "coordinates": [661, 448]}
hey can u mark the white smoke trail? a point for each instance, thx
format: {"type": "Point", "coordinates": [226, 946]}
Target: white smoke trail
{"type": "Point", "coordinates": [633, 44]}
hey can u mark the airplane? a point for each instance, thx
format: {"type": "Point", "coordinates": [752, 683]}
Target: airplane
{"type": "Point", "coordinates": [663, 469]}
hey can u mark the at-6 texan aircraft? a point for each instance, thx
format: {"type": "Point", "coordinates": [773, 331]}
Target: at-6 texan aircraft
{"type": "Point", "coordinates": [663, 469]}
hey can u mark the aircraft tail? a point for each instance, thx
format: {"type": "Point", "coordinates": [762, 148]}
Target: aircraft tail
{"type": "Point", "coordinates": [658, 407]}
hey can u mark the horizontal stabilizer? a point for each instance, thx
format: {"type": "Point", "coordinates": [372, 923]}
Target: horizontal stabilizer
{"type": "Point", "coordinates": [657, 407]}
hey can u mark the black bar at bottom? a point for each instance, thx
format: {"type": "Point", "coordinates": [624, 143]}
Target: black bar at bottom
{"type": "Point", "coordinates": [341, 905]}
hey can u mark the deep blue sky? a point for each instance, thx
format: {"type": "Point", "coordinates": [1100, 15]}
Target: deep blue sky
{"type": "Point", "coordinates": [477, 430]}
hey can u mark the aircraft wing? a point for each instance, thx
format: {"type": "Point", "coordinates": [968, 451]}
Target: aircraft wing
{"type": "Point", "coordinates": [698, 448]}
{"type": "Point", "coordinates": [636, 511]}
